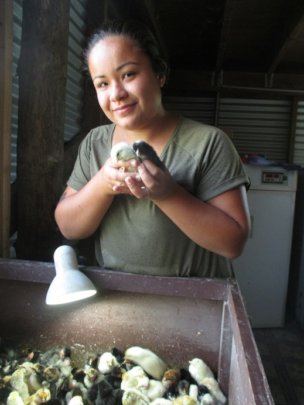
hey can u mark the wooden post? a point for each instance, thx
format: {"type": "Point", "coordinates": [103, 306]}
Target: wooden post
{"type": "Point", "coordinates": [40, 152]}
{"type": "Point", "coordinates": [6, 25]}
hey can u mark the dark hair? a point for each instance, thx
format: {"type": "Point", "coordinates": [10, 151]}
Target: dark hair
{"type": "Point", "coordinates": [138, 32]}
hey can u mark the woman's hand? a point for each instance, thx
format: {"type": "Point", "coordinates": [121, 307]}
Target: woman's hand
{"type": "Point", "coordinates": [114, 175]}
{"type": "Point", "coordinates": [151, 182]}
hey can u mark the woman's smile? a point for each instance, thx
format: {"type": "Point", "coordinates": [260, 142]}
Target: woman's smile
{"type": "Point", "coordinates": [125, 109]}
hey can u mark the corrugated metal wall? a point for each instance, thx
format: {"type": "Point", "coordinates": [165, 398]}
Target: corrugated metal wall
{"type": "Point", "coordinates": [258, 126]}
{"type": "Point", "coordinates": [298, 156]}
{"type": "Point", "coordinates": [74, 87]}
{"type": "Point", "coordinates": [201, 109]}
{"type": "Point", "coordinates": [17, 34]}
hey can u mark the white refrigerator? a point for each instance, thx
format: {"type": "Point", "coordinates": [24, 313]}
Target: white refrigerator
{"type": "Point", "coordinates": [263, 268]}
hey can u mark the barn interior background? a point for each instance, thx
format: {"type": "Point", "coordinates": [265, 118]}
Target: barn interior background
{"type": "Point", "coordinates": [237, 64]}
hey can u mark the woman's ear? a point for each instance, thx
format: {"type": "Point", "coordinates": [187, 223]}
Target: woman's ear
{"type": "Point", "coordinates": [162, 80]}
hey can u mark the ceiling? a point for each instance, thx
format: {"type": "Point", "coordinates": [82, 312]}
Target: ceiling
{"type": "Point", "coordinates": [256, 42]}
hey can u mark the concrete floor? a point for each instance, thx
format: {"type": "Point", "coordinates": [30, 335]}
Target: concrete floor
{"type": "Point", "coordinates": [282, 353]}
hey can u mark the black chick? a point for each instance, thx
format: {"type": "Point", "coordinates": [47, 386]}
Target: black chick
{"type": "Point", "coordinates": [104, 394]}
{"type": "Point", "coordinates": [145, 152]}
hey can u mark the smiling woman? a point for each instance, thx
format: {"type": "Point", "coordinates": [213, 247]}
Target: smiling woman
{"type": "Point", "coordinates": [128, 90]}
{"type": "Point", "coordinates": [186, 218]}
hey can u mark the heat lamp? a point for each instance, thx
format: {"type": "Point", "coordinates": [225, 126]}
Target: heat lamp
{"type": "Point", "coordinates": [69, 284]}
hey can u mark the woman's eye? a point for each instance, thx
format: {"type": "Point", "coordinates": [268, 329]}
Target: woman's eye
{"type": "Point", "coordinates": [100, 85]}
{"type": "Point", "coordinates": [128, 75]}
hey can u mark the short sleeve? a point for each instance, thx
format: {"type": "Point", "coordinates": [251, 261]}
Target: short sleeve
{"type": "Point", "coordinates": [221, 167]}
{"type": "Point", "coordinates": [81, 172]}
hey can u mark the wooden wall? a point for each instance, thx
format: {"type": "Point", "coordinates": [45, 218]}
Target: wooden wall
{"type": "Point", "coordinates": [5, 121]}
{"type": "Point", "coordinates": [40, 158]}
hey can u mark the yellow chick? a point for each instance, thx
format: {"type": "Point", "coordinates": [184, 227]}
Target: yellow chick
{"type": "Point", "coordinates": [76, 400]}
{"type": "Point", "coordinates": [91, 376]}
{"type": "Point", "coordinates": [154, 390]}
{"type": "Point", "coordinates": [184, 400]}
{"type": "Point", "coordinates": [14, 398]}
{"type": "Point", "coordinates": [193, 391]}
{"type": "Point", "coordinates": [214, 389]}
{"type": "Point", "coordinates": [199, 370]}
{"type": "Point", "coordinates": [34, 382]}
{"type": "Point", "coordinates": [149, 361]}
{"type": "Point", "coordinates": [161, 401]}
{"type": "Point", "coordinates": [123, 151]}
{"type": "Point", "coordinates": [51, 374]}
{"type": "Point", "coordinates": [207, 399]}
{"type": "Point", "coordinates": [40, 396]}
{"type": "Point", "coordinates": [107, 362]}
{"type": "Point", "coordinates": [18, 382]}
{"type": "Point", "coordinates": [134, 378]}
{"type": "Point", "coordinates": [133, 396]}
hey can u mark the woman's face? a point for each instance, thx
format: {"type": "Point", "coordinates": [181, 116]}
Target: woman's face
{"type": "Point", "coordinates": [128, 90]}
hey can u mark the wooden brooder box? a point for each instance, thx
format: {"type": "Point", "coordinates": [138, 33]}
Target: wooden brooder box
{"type": "Point", "coordinates": [177, 318]}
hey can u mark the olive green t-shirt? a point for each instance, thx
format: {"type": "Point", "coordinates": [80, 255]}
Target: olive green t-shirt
{"type": "Point", "coordinates": [134, 235]}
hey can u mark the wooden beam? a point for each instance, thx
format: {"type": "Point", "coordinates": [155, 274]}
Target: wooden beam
{"type": "Point", "coordinates": [153, 16]}
{"type": "Point", "coordinates": [227, 18]}
{"type": "Point", "coordinates": [251, 82]}
{"type": "Point", "coordinates": [40, 157]}
{"type": "Point", "coordinates": [6, 35]}
{"type": "Point", "coordinates": [293, 27]}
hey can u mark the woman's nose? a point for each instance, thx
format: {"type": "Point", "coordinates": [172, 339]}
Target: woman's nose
{"type": "Point", "coordinates": [118, 92]}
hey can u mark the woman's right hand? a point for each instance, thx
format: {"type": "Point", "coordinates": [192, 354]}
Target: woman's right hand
{"type": "Point", "coordinates": [113, 175]}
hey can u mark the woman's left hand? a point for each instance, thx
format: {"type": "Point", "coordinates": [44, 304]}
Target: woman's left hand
{"type": "Point", "coordinates": [154, 183]}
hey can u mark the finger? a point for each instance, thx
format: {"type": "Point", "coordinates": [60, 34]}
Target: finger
{"type": "Point", "coordinates": [138, 189]}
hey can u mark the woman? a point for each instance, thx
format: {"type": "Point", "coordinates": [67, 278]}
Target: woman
{"type": "Point", "coordinates": [186, 220]}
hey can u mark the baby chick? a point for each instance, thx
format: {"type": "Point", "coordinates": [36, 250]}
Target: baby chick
{"type": "Point", "coordinates": [103, 393]}
{"type": "Point", "coordinates": [91, 376]}
{"type": "Point", "coordinates": [171, 378]}
{"type": "Point", "coordinates": [184, 400]}
{"type": "Point", "coordinates": [207, 399]}
{"type": "Point", "coordinates": [133, 396]}
{"type": "Point", "coordinates": [149, 361]}
{"type": "Point", "coordinates": [76, 400]}
{"type": "Point", "coordinates": [51, 374]}
{"type": "Point", "coordinates": [161, 401]}
{"type": "Point", "coordinates": [144, 151]}
{"type": "Point", "coordinates": [214, 389]}
{"type": "Point", "coordinates": [107, 362]}
{"type": "Point", "coordinates": [39, 397]}
{"type": "Point", "coordinates": [14, 398]}
{"type": "Point", "coordinates": [18, 382]}
{"type": "Point", "coordinates": [154, 390]}
{"type": "Point", "coordinates": [193, 391]}
{"type": "Point", "coordinates": [199, 370]}
{"type": "Point", "coordinates": [135, 378]}
{"type": "Point", "coordinates": [122, 151]}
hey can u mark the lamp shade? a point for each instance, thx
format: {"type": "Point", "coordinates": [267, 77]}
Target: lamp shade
{"type": "Point", "coordinates": [69, 284]}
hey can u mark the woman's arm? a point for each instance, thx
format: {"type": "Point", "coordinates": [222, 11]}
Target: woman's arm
{"type": "Point", "coordinates": [79, 213]}
{"type": "Point", "coordinates": [220, 225]}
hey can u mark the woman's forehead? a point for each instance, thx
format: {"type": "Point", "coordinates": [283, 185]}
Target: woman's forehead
{"type": "Point", "coordinates": [115, 50]}
{"type": "Point", "coordinates": [113, 43]}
